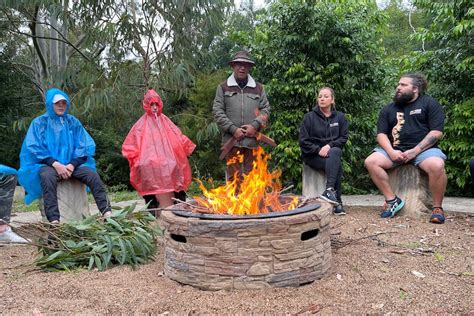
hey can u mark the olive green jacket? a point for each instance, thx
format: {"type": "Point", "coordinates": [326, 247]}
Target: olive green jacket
{"type": "Point", "coordinates": [234, 107]}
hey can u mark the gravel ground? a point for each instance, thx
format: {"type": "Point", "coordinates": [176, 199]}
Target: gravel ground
{"type": "Point", "coordinates": [379, 267]}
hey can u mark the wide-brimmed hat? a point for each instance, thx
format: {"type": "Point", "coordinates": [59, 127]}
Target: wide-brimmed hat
{"type": "Point", "coordinates": [242, 57]}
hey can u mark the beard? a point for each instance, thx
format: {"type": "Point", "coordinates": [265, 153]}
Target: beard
{"type": "Point", "coordinates": [403, 98]}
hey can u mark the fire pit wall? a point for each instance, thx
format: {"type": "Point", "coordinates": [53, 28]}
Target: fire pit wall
{"type": "Point", "coordinates": [286, 251]}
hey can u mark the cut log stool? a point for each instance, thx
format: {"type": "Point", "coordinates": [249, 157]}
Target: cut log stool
{"type": "Point", "coordinates": [411, 184]}
{"type": "Point", "coordinates": [314, 181]}
{"type": "Point", "coordinates": [72, 201]}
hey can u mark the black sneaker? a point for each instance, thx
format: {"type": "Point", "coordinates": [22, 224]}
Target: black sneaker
{"type": "Point", "coordinates": [392, 208]}
{"type": "Point", "coordinates": [339, 210]}
{"type": "Point", "coordinates": [329, 195]}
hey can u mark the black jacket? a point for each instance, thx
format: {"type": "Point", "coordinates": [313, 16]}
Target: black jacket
{"type": "Point", "coordinates": [317, 130]}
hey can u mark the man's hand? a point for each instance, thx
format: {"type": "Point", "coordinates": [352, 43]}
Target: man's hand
{"type": "Point", "coordinates": [324, 152]}
{"type": "Point", "coordinates": [70, 167]}
{"type": "Point", "coordinates": [397, 156]}
{"type": "Point", "coordinates": [410, 154]}
{"type": "Point", "coordinates": [249, 130]}
{"type": "Point", "coordinates": [239, 133]}
{"type": "Point", "coordinates": [62, 170]}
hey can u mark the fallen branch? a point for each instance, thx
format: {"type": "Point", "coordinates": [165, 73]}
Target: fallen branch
{"type": "Point", "coordinates": [338, 244]}
{"type": "Point", "coordinates": [418, 251]}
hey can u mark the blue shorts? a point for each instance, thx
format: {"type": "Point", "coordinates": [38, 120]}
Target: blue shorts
{"type": "Point", "coordinates": [432, 152]}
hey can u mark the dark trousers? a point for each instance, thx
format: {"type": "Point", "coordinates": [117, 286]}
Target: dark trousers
{"type": "Point", "coordinates": [153, 202]}
{"type": "Point", "coordinates": [239, 168]}
{"type": "Point", "coordinates": [49, 184]}
{"type": "Point", "coordinates": [7, 190]}
{"type": "Point", "coordinates": [332, 167]}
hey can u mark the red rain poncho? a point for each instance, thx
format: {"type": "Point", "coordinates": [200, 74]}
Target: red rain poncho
{"type": "Point", "coordinates": [157, 152]}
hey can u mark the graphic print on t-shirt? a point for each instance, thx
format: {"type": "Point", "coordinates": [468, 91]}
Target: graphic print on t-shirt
{"type": "Point", "coordinates": [397, 129]}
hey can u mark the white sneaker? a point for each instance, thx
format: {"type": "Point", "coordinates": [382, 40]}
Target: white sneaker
{"type": "Point", "coordinates": [9, 236]}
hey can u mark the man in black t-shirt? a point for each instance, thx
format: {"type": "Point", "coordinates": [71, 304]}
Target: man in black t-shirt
{"type": "Point", "coordinates": [408, 131]}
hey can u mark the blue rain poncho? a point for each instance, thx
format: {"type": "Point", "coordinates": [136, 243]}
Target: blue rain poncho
{"type": "Point", "coordinates": [62, 138]}
{"type": "Point", "coordinates": [7, 170]}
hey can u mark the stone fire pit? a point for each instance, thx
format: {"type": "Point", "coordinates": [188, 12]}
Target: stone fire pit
{"type": "Point", "coordinates": [215, 252]}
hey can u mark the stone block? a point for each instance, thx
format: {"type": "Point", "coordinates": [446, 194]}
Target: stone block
{"type": "Point", "coordinates": [314, 181]}
{"type": "Point", "coordinates": [259, 269]}
{"type": "Point", "coordinates": [228, 270]}
{"type": "Point", "coordinates": [411, 184]}
{"type": "Point", "coordinates": [248, 242]}
{"type": "Point", "coordinates": [206, 251]}
{"type": "Point", "coordinates": [226, 245]}
{"type": "Point", "coordinates": [284, 276]}
{"type": "Point", "coordinates": [283, 243]}
{"type": "Point", "coordinates": [286, 266]}
{"type": "Point", "coordinates": [72, 201]}
{"type": "Point", "coordinates": [249, 283]}
{"type": "Point", "coordinates": [295, 255]}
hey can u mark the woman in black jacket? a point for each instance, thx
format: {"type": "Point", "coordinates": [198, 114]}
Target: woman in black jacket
{"type": "Point", "coordinates": [323, 133]}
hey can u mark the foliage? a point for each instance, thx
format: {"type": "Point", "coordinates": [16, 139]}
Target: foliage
{"type": "Point", "coordinates": [401, 22]}
{"type": "Point", "coordinates": [111, 165]}
{"type": "Point", "coordinates": [16, 100]}
{"type": "Point", "coordinates": [125, 238]}
{"type": "Point", "coordinates": [197, 122]}
{"type": "Point", "coordinates": [302, 46]}
{"type": "Point", "coordinates": [458, 143]}
{"type": "Point", "coordinates": [448, 61]}
{"type": "Point", "coordinates": [105, 54]}
{"type": "Point", "coordinates": [160, 34]}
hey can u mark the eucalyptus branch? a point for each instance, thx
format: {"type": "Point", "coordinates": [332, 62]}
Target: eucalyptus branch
{"type": "Point", "coordinates": [413, 28]}
{"type": "Point", "coordinates": [36, 44]}
{"type": "Point", "coordinates": [21, 65]}
{"type": "Point", "coordinates": [35, 37]}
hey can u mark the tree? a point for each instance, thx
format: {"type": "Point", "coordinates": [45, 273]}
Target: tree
{"type": "Point", "coordinates": [448, 61]}
{"type": "Point", "coordinates": [301, 46]}
{"type": "Point", "coordinates": [106, 53]}
{"type": "Point", "coordinates": [402, 21]}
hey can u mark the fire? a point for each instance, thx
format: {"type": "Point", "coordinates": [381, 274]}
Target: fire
{"type": "Point", "coordinates": [257, 192]}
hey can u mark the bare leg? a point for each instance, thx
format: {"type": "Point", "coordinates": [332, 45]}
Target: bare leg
{"type": "Point", "coordinates": [165, 199]}
{"type": "Point", "coordinates": [437, 178]}
{"type": "Point", "coordinates": [377, 164]}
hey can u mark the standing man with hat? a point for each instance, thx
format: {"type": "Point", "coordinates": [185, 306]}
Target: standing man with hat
{"type": "Point", "coordinates": [241, 109]}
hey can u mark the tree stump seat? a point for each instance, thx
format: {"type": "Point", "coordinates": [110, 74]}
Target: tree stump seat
{"type": "Point", "coordinates": [72, 201]}
{"type": "Point", "coordinates": [314, 181]}
{"type": "Point", "coordinates": [411, 184]}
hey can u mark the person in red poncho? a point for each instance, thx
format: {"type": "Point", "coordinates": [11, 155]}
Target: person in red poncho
{"type": "Point", "coordinates": [157, 153]}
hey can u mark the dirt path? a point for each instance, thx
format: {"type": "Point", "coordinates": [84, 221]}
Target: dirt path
{"type": "Point", "coordinates": [412, 267]}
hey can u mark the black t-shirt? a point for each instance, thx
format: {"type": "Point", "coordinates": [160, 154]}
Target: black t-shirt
{"type": "Point", "coordinates": [406, 125]}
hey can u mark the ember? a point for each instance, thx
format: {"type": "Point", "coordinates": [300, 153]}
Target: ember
{"type": "Point", "coordinates": [258, 192]}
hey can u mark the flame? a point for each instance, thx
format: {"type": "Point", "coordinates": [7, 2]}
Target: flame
{"type": "Point", "coordinates": [257, 192]}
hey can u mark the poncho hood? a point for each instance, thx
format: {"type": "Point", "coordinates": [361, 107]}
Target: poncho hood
{"type": "Point", "coordinates": [49, 102]}
{"type": "Point", "coordinates": [152, 97]}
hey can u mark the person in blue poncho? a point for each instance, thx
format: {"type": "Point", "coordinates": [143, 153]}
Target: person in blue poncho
{"type": "Point", "coordinates": [7, 190]}
{"type": "Point", "coordinates": [57, 147]}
